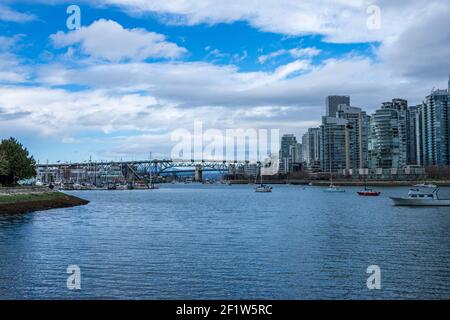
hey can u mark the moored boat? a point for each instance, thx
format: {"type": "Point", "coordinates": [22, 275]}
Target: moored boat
{"type": "Point", "coordinates": [369, 193]}
{"type": "Point", "coordinates": [333, 188]}
{"type": "Point", "coordinates": [417, 197]}
{"type": "Point", "coordinates": [263, 188]}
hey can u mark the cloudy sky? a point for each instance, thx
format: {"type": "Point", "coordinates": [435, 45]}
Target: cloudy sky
{"type": "Point", "coordinates": [137, 70]}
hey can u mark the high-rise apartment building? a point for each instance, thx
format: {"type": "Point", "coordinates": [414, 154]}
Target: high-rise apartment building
{"type": "Point", "coordinates": [344, 137]}
{"type": "Point", "coordinates": [436, 128]}
{"type": "Point", "coordinates": [414, 150]}
{"type": "Point", "coordinates": [356, 136]}
{"type": "Point", "coordinates": [388, 142]}
{"type": "Point", "coordinates": [287, 153]}
{"type": "Point", "coordinates": [332, 144]}
{"type": "Point", "coordinates": [311, 149]}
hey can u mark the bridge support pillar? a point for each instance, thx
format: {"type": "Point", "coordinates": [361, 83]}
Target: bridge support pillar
{"type": "Point", "coordinates": [198, 173]}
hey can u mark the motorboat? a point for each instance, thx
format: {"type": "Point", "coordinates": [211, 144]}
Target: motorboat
{"type": "Point", "coordinates": [417, 197]}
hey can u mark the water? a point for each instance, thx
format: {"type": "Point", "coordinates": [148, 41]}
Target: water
{"type": "Point", "coordinates": [228, 242]}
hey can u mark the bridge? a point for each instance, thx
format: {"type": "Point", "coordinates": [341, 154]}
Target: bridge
{"type": "Point", "coordinates": [145, 171]}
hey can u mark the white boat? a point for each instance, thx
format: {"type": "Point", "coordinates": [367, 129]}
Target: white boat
{"type": "Point", "coordinates": [262, 187]}
{"type": "Point", "coordinates": [418, 197]}
{"type": "Point", "coordinates": [333, 188]}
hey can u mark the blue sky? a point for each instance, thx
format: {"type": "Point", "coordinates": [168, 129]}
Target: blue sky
{"type": "Point", "coordinates": [138, 70]}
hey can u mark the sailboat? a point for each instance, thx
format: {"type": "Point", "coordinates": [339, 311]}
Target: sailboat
{"type": "Point", "coordinates": [262, 187]}
{"type": "Point", "coordinates": [331, 187]}
{"type": "Point", "coordinates": [368, 192]}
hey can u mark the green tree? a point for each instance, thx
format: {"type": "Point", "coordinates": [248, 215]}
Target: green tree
{"type": "Point", "coordinates": [15, 162]}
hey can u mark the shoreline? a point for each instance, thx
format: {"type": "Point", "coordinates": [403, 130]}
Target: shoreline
{"type": "Point", "coordinates": [26, 200]}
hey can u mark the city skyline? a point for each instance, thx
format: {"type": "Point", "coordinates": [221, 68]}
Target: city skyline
{"type": "Point", "coordinates": [74, 94]}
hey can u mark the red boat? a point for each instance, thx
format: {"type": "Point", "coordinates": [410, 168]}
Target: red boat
{"type": "Point", "coordinates": [369, 193]}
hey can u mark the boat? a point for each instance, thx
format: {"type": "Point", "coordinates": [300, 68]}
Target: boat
{"type": "Point", "coordinates": [333, 188]}
{"type": "Point", "coordinates": [262, 187]}
{"type": "Point", "coordinates": [417, 197]}
{"type": "Point", "coordinates": [367, 192]}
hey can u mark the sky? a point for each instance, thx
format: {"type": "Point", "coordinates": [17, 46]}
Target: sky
{"type": "Point", "coordinates": [135, 71]}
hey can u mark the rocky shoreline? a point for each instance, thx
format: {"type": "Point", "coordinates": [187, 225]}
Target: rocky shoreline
{"type": "Point", "coordinates": [25, 200]}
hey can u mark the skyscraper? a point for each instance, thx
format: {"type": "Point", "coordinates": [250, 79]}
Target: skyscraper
{"type": "Point", "coordinates": [344, 138]}
{"type": "Point", "coordinates": [388, 143]}
{"type": "Point", "coordinates": [287, 153]}
{"type": "Point", "coordinates": [311, 149]}
{"type": "Point", "coordinates": [436, 128]}
{"type": "Point", "coordinates": [356, 136]}
{"type": "Point", "coordinates": [414, 153]}
{"type": "Point", "coordinates": [332, 144]}
{"type": "Point", "coordinates": [332, 103]}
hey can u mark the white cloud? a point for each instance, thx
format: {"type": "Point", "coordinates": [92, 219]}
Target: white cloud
{"type": "Point", "coordinates": [11, 69]}
{"type": "Point", "coordinates": [10, 15]}
{"type": "Point", "coordinates": [422, 51]}
{"type": "Point", "coordinates": [338, 21]}
{"type": "Point", "coordinates": [294, 52]}
{"type": "Point", "coordinates": [108, 40]}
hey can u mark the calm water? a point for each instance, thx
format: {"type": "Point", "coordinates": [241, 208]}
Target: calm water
{"type": "Point", "coordinates": [205, 242]}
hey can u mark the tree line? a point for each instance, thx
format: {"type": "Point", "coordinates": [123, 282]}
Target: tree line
{"type": "Point", "coordinates": [15, 162]}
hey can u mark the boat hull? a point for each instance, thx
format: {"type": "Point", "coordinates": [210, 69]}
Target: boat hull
{"type": "Point", "coordinates": [369, 194]}
{"type": "Point", "coordinates": [420, 202]}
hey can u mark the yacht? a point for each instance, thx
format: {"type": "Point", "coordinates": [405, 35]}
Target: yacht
{"type": "Point", "coordinates": [417, 197]}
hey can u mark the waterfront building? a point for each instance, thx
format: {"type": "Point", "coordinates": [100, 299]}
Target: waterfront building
{"type": "Point", "coordinates": [344, 136]}
{"type": "Point", "coordinates": [436, 128]}
{"type": "Point", "coordinates": [332, 144]}
{"type": "Point", "coordinates": [332, 103]}
{"type": "Point", "coordinates": [388, 142]}
{"type": "Point", "coordinates": [356, 136]}
{"type": "Point", "coordinates": [414, 150]}
{"type": "Point", "coordinates": [287, 153]}
{"type": "Point", "coordinates": [311, 149]}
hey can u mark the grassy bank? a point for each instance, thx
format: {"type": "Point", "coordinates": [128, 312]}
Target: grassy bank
{"type": "Point", "coordinates": [23, 203]}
